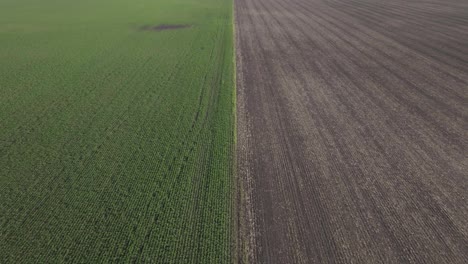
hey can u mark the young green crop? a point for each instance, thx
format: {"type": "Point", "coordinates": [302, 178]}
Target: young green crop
{"type": "Point", "coordinates": [116, 143]}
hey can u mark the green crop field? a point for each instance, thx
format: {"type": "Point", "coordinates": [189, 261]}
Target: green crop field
{"type": "Point", "coordinates": [116, 131]}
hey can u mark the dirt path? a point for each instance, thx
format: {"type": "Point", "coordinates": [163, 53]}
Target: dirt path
{"type": "Point", "coordinates": [352, 120]}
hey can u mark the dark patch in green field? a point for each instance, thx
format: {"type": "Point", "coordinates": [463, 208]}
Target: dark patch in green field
{"type": "Point", "coordinates": [164, 27]}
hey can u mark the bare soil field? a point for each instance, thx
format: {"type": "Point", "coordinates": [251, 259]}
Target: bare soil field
{"type": "Point", "coordinates": [352, 131]}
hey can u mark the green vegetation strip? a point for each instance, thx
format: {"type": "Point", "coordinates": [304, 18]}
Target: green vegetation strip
{"type": "Point", "coordinates": [116, 131]}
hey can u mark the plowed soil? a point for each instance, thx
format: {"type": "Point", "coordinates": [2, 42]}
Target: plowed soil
{"type": "Point", "coordinates": [352, 120]}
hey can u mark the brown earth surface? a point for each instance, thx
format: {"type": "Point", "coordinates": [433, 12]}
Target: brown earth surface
{"type": "Point", "coordinates": [352, 131]}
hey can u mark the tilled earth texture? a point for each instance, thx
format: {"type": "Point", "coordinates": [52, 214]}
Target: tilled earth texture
{"type": "Point", "coordinates": [352, 121]}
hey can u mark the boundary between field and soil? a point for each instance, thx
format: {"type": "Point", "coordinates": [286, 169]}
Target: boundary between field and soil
{"type": "Point", "coordinates": [244, 216]}
{"type": "Point", "coordinates": [235, 191]}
